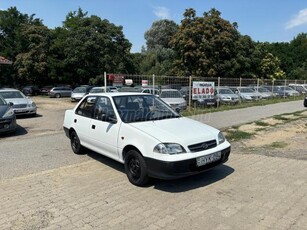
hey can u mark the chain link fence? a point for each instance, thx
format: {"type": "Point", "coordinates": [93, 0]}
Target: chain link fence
{"type": "Point", "coordinates": [126, 82]}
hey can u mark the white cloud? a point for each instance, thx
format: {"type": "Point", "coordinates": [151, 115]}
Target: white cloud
{"type": "Point", "coordinates": [162, 12]}
{"type": "Point", "coordinates": [298, 20]}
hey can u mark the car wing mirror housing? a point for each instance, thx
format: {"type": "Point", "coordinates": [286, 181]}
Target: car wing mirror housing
{"type": "Point", "coordinates": [111, 118]}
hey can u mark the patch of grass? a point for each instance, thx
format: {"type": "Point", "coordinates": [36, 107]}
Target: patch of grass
{"type": "Point", "coordinates": [259, 129]}
{"type": "Point", "coordinates": [199, 110]}
{"type": "Point", "coordinates": [236, 135]}
{"type": "Point", "coordinates": [261, 123]}
{"type": "Point", "coordinates": [278, 144]}
{"type": "Point", "coordinates": [281, 118]}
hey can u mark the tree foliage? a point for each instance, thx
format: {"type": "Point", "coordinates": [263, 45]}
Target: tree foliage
{"type": "Point", "coordinates": [85, 46]}
{"type": "Point", "coordinates": [206, 45]}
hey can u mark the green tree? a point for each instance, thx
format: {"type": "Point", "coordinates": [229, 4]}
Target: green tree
{"type": "Point", "coordinates": [270, 67]}
{"type": "Point", "coordinates": [205, 45]}
{"type": "Point", "coordinates": [33, 63]}
{"type": "Point", "coordinates": [12, 42]}
{"type": "Point", "coordinates": [159, 57]}
{"type": "Point", "coordinates": [92, 46]}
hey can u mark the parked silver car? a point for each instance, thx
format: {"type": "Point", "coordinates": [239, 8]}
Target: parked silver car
{"type": "Point", "coordinates": [60, 92]}
{"type": "Point", "coordinates": [247, 94]}
{"type": "Point", "coordinates": [173, 98]}
{"type": "Point", "coordinates": [227, 96]}
{"type": "Point", "coordinates": [22, 105]}
{"type": "Point", "coordinates": [264, 92]}
{"type": "Point", "coordinates": [79, 92]}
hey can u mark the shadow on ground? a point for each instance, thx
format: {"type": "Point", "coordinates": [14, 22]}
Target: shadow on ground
{"type": "Point", "coordinates": [173, 186]}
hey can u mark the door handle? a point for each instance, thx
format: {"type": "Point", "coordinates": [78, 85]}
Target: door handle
{"type": "Point", "coordinates": [93, 126]}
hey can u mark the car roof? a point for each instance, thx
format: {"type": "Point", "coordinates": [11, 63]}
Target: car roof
{"type": "Point", "coordinates": [112, 94]}
{"type": "Point", "coordinates": [169, 90]}
{"type": "Point", "coordinates": [8, 89]}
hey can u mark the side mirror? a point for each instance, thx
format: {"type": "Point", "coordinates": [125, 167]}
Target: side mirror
{"type": "Point", "coordinates": [11, 103]}
{"type": "Point", "coordinates": [111, 118]}
{"type": "Point", "coordinates": [177, 110]}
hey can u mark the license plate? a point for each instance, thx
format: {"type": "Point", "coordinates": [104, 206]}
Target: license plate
{"type": "Point", "coordinates": [200, 161]}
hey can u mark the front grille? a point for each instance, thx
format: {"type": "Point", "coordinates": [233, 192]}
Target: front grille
{"type": "Point", "coordinates": [20, 106]}
{"type": "Point", "coordinates": [202, 146]}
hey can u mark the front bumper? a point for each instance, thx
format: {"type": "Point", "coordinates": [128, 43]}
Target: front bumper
{"type": "Point", "coordinates": [24, 111]}
{"type": "Point", "coordinates": [8, 125]}
{"type": "Point", "coordinates": [178, 169]}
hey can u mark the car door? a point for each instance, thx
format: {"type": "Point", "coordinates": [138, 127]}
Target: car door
{"type": "Point", "coordinates": [104, 128]}
{"type": "Point", "coordinates": [82, 120]}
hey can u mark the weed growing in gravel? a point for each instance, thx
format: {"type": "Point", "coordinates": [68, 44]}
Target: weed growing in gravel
{"type": "Point", "coordinates": [236, 135]}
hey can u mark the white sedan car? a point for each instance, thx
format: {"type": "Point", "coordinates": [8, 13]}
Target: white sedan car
{"type": "Point", "coordinates": [145, 134]}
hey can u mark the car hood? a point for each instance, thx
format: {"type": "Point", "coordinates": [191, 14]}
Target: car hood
{"type": "Point", "coordinates": [77, 94]}
{"type": "Point", "coordinates": [173, 100]}
{"type": "Point", "coordinates": [229, 95]}
{"type": "Point", "coordinates": [177, 130]}
{"type": "Point", "coordinates": [3, 109]}
{"type": "Point", "coordinates": [18, 101]}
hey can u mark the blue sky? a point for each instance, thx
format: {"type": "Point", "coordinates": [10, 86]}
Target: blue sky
{"type": "Point", "coordinates": [263, 20]}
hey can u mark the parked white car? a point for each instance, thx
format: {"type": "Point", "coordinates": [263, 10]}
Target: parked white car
{"type": "Point", "coordinates": [145, 134]}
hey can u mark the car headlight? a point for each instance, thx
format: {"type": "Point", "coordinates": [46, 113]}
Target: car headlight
{"type": "Point", "coordinates": [32, 104]}
{"type": "Point", "coordinates": [169, 148]}
{"type": "Point", "coordinates": [8, 113]}
{"type": "Point", "coordinates": [221, 138]}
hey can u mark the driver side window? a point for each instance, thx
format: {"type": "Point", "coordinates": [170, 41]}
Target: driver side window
{"type": "Point", "coordinates": [103, 109]}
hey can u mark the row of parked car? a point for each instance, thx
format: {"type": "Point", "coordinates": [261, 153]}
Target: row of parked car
{"type": "Point", "coordinates": [14, 103]}
{"type": "Point", "coordinates": [178, 98]}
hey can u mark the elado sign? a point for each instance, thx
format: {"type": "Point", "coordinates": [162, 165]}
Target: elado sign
{"type": "Point", "coordinates": [203, 89]}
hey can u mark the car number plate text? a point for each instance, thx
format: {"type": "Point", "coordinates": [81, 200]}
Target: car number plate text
{"type": "Point", "coordinates": [200, 161]}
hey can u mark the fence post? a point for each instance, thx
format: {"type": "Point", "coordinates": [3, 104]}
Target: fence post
{"type": "Point", "coordinates": [285, 88]}
{"type": "Point", "coordinates": [240, 82]}
{"type": "Point", "coordinates": [105, 81]}
{"type": "Point", "coordinates": [258, 80]}
{"type": "Point", "coordinates": [153, 84]}
{"type": "Point", "coordinates": [190, 92]}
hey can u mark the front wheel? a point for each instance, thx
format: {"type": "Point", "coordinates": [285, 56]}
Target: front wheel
{"type": "Point", "coordinates": [136, 169]}
{"type": "Point", "coordinates": [76, 146]}
{"type": "Point", "coordinates": [57, 95]}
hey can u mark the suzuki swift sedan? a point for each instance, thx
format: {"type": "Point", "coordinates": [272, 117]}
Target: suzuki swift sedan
{"type": "Point", "coordinates": [145, 134]}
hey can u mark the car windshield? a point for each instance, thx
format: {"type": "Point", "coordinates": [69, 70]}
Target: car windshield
{"type": "Point", "coordinates": [170, 94]}
{"type": "Point", "coordinates": [11, 94]}
{"type": "Point", "coordinates": [226, 91]}
{"type": "Point", "coordinates": [246, 90]}
{"type": "Point", "coordinates": [286, 88]}
{"type": "Point", "coordinates": [137, 108]}
{"type": "Point", "coordinates": [80, 90]}
{"type": "Point", "coordinates": [2, 101]}
{"type": "Point", "coordinates": [263, 90]}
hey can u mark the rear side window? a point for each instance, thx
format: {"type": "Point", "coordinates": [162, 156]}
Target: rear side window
{"type": "Point", "coordinates": [86, 108]}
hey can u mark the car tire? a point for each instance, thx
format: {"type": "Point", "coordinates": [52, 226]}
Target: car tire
{"type": "Point", "coordinates": [57, 95]}
{"type": "Point", "coordinates": [136, 169]}
{"type": "Point", "coordinates": [305, 102]}
{"type": "Point", "coordinates": [76, 146]}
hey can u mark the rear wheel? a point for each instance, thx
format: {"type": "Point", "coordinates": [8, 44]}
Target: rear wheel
{"type": "Point", "coordinates": [136, 169]}
{"type": "Point", "coordinates": [76, 146]}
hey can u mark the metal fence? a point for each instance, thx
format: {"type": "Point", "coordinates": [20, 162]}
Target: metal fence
{"type": "Point", "coordinates": [178, 81]}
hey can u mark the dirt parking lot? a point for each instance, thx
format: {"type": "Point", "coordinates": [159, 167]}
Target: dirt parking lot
{"type": "Point", "coordinates": [262, 186]}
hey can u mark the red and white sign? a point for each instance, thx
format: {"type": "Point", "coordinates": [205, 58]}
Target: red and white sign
{"type": "Point", "coordinates": [144, 82]}
{"type": "Point", "coordinates": [203, 89]}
